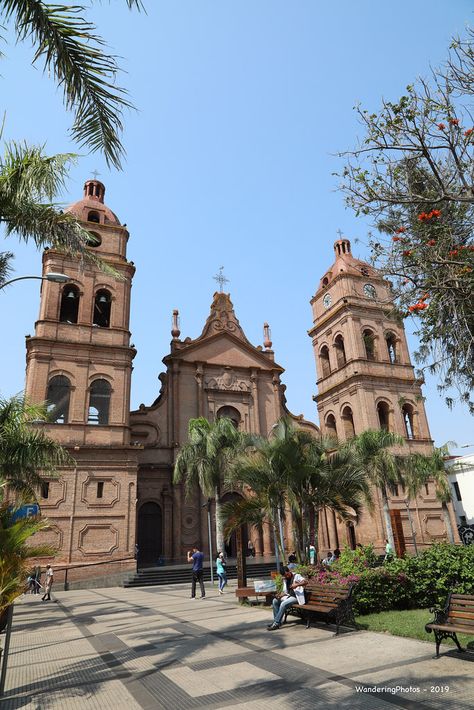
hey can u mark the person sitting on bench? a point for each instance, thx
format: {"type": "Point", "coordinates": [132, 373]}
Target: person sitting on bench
{"type": "Point", "coordinates": [292, 593]}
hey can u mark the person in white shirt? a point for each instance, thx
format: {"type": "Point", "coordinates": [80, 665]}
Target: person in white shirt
{"type": "Point", "coordinates": [48, 583]}
{"type": "Point", "coordinates": [292, 593]}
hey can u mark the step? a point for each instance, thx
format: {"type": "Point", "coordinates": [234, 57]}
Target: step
{"type": "Point", "coordinates": [160, 577]}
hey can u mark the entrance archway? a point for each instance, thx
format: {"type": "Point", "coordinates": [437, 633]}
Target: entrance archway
{"type": "Point", "coordinates": [231, 544]}
{"type": "Point", "coordinates": [149, 534]}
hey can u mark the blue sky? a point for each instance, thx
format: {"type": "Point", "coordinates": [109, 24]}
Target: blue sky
{"type": "Point", "coordinates": [242, 107]}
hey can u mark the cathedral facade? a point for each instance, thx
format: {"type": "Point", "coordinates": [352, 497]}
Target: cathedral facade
{"type": "Point", "coordinates": [119, 499]}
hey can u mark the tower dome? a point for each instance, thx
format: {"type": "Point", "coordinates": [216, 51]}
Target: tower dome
{"type": "Point", "coordinates": [92, 207]}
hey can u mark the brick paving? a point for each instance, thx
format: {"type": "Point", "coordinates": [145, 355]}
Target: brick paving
{"type": "Point", "coordinates": [156, 648]}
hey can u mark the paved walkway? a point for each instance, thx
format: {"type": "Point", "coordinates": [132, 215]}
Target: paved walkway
{"type": "Point", "coordinates": [155, 648]}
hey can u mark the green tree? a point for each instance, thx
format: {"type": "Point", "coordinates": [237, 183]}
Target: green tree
{"type": "Point", "coordinates": [67, 46]}
{"type": "Point", "coordinates": [293, 469]}
{"type": "Point", "coordinates": [204, 460]}
{"type": "Point", "coordinates": [413, 175]}
{"type": "Point", "coordinates": [383, 469]}
{"type": "Point", "coordinates": [16, 553]}
{"type": "Point", "coordinates": [422, 470]}
{"type": "Point", "coordinates": [27, 454]}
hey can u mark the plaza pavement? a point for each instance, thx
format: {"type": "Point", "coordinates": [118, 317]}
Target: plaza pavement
{"type": "Point", "coordinates": [156, 648]}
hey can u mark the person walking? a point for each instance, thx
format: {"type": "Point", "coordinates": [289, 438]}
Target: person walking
{"type": "Point", "coordinates": [312, 554]}
{"type": "Point", "coordinates": [388, 552]}
{"type": "Point", "coordinates": [48, 583]}
{"type": "Point", "coordinates": [197, 557]}
{"type": "Point", "coordinates": [221, 571]}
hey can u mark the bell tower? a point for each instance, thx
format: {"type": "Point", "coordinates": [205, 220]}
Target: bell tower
{"type": "Point", "coordinates": [80, 362]}
{"type": "Point", "coordinates": [366, 381]}
{"type": "Point", "coordinates": [365, 376]}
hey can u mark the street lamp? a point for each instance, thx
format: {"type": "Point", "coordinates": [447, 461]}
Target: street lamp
{"type": "Point", "coordinates": [51, 276]}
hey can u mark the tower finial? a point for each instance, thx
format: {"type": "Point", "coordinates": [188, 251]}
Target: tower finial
{"type": "Point", "coordinates": [175, 331]}
{"type": "Point", "coordinates": [221, 279]}
{"type": "Point", "coordinates": [267, 343]}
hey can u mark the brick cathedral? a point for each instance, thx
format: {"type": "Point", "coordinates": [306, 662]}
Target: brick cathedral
{"type": "Point", "coordinates": [120, 493]}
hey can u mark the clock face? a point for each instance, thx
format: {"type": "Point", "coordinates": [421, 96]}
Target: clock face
{"type": "Point", "coordinates": [327, 300]}
{"type": "Point", "coordinates": [369, 291]}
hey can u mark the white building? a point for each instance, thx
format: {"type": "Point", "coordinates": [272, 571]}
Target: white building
{"type": "Point", "coordinates": [460, 471]}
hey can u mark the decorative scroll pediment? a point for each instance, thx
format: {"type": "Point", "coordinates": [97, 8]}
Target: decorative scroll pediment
{"type": "Point", "coordinates": [227, 381]}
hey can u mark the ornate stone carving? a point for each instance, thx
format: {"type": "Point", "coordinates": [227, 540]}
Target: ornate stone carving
{"type": "Point", "coordinates": [227, 381]}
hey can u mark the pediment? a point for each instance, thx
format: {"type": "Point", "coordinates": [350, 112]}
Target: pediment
{"type": "Point", "coordinates": [226, 350]}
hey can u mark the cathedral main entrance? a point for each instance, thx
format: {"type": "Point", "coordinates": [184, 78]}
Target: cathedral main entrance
{"type": "Point", "coordinates": [149, 534]}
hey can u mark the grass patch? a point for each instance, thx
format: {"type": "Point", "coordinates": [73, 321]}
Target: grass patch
{"type": "Point", "coordinates": [409, 623]}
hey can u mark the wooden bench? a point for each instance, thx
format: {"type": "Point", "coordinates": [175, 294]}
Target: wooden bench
{"type": "Point", "coordinates": [332, 602]}
{"type": "Point", "coordinates": [456, 617]}
{"type": "Point", "coordinates": [245, 592]}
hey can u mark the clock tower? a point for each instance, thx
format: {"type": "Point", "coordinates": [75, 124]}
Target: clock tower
{"type": "Point", "coordinates": [366, 381]}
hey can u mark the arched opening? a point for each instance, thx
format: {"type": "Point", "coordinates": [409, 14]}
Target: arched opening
{"type": "Point", "coordinates": [409, 421]}
{"type": "Point", "coordinates": [340, 351]}
{"type": "Point", "coordinates": [351, 536]}
{"type": "Point", "coordinates": [230, 544]}
{"type": "Point", "coordinates": [99, 403]}
{"type": "Point", "coordinates": [149, 534]}
{"type": "Point", "coordinates": [331, 425]}
{"type": "Point", "coordinates": [369, 344]}
{"type": "Point", "coordinates": [325, 281]}
{"type": "Point", "coordinates": [57, 397]}
{"type": "Point", "coordinates": [348, 423]}
{"type": "Point", "coordinates": [93, 217]}
{"type": "Point", "coordinates": [324, 358]}
{"type": "Point", "coordinates": [69, 310]}
{"type": "Point", "coordinates": [94, 240]}
{"type": "Point", "coordinates": [230, 413]}
{"type": "Point", "coordinates": [383, 412]}
{"type": "Point", "coordinates": [391, 341]}
{"type": "Point", "coordinates": [102, 305]}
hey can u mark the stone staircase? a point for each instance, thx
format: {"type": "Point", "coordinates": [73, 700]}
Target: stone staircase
{"type": "Point", "coordinates": [179, 574]}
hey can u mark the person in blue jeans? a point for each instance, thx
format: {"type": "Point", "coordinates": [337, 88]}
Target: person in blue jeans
{"type": "Point", "coordinates": [221, 571]}
{"type": "Point", "coordinates": [292, 593]}
{"type": "Point", "coordinates": [197, 557]}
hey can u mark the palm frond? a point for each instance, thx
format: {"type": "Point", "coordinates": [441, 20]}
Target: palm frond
{"type": "Point", "coordinates": [73, 54]}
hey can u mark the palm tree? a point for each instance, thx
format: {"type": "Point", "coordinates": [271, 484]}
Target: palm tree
{"type": "Point", "coordinates": [383, 468]}
{"type": "Point", "coordinates": [29, 182]}
{"type": "Point", "coordinates": [421, 469]}
{"type": "Point", "coordinates": [26, 453]}
{"type": "Point", "coordinates": [72, 53]}
{"type": "Point", "coordinates": [292, 468]}
{"type": "Point", "coordinates": [204, 460]}
{"type": "Point", "coordinates": [16, 553]}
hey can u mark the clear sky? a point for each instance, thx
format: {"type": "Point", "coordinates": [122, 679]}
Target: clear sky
{"type": "Point", "coordinates": [241, 108]}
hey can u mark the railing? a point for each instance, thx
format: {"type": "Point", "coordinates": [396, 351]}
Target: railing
{"type": "Point", "coordinates": [66, 570]}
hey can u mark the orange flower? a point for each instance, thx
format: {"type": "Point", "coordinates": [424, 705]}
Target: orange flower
{"type": "Point", "coordinates": [454, 121]}
{"type": "Point", "coordinates": [441, 126]}
{"type": "Point", "coordinates": [400, 230]}
{"type": "Point", "coordinates": [431, 242]}
{"type": "Point", "coordinates": [407, 252]}
{"type": "Point", "coordinates": [421, 306]}
{"type": "Point", "coordinates": [453, 252]}
{"type": "Point", "coordinates": [396, 239]}
{"type": "Point", "coordinates": [436, 213]}
{"type": "Point", "coordinates": [469, 132]}
{"type": "Point", "coordinates": [423, 216]}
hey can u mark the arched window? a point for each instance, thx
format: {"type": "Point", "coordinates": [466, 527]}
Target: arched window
{"type": "Point", "coordinates": [331, 425]}
{"type": "Point", "coordinates": [230, 413]}
{"type": "Point", "coordinates": [391, 341]}
{"type": "Point", "coordinates": [409, 420]}
{"type": "Point", "coordinates": [102, 305]}
{"type": "Point", "coordinates": [348, 423]}
{"type": "Point", "coordinates": [58, 396]}
{"type": "Point", "coordinates": [325, 364]}
{"type": "Point", "coordinates": [369, 344]}
{"type": "Point", "coordinates": [99, 403]}
{"type": "Point", "coordinates": [69, 310]}
{"type": "Point", "coordinates": [383, 412]}
{"type": "Point", "coordinates": [340, 351]}
{"type": "Point", "coordinates": [93, 217]}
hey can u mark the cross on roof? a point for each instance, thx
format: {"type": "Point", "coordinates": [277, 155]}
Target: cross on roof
{"type": "Point", "coordinates": [341, 236]}
{"type": "Point", "coordinates": [95, 174]}
{"type": "Point", "coordinates": [221, 279]}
